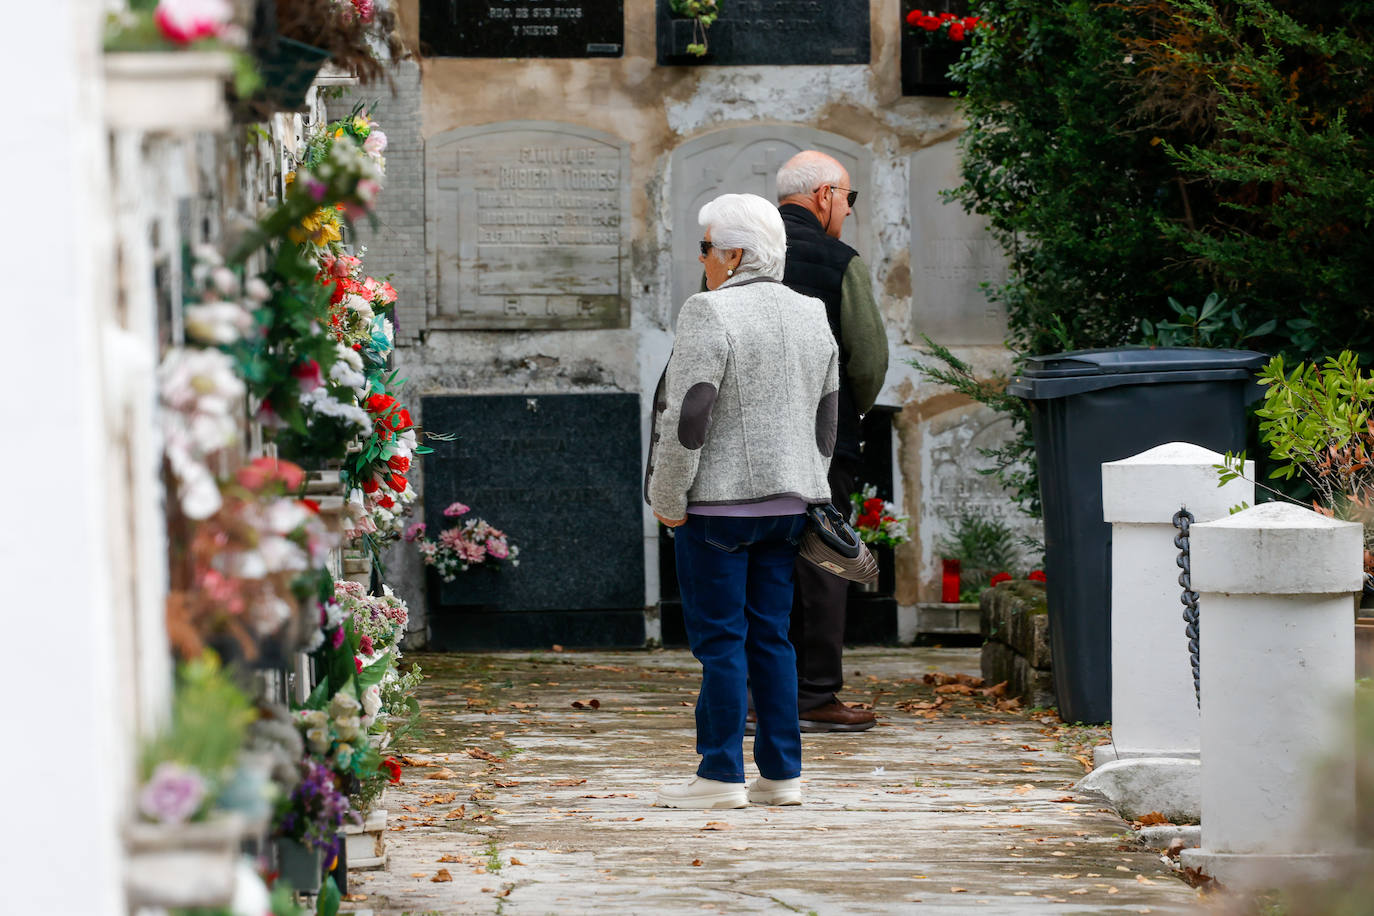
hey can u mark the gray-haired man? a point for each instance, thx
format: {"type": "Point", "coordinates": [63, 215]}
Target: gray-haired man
{"type": "Point", "coordinates": [815, 196]}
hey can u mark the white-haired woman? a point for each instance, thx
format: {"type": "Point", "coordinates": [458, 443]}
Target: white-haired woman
{"type": "Point", "coordinates": [744, 427]}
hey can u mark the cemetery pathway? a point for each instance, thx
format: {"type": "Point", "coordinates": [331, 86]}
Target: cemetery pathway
{"type": "Point", "coordinates": [530, 779]}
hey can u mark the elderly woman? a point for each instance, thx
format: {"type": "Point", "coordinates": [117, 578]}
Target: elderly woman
{"type": "Point", "coordinates": [744, 426]}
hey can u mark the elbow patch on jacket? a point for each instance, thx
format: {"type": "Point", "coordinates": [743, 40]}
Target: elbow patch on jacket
{"type": "Point", "coordinates": [827, 416]}
{"type": "Point", "coordinates": [696, 415]}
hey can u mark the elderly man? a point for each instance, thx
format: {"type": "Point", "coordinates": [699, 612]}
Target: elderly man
{"type": "Point", "coordinates": [815, 195]}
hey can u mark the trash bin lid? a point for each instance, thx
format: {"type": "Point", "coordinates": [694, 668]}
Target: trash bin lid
{"type": "Point", "coordinates": [1058, 375]}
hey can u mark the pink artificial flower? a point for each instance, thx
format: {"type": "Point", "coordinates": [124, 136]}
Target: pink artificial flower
{"type": "Point", "coordinates": [456, 509]}
{"type": "Point", "coordinates": [375, 143]}
{"type": "Point", "coordinates": [173, 794]}
{"type": "Point", "coordinates": [388, 294]}
{"type": "Point", "coordinates": [416, 530]}
{"type": "Point", "coordinates": [337, 639]}
{"type": "Point", "coordinates": [358, 664]}
{"type": "Point", "coordinates": [498, 548]}
{"type": "Point", "coordinates": [364, 9]}
{"type": "Point", "coordinates": [185, 21]}
{"type": "Point", "coordinates": [469, 552]}
{"type": "Point", "coordinates": [365, 644]}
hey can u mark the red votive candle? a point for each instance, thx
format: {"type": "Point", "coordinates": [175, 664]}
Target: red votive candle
{"type": "Point", "coordinates": [949, 581]}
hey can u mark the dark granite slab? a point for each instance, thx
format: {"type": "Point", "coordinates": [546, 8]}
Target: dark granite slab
{"type": "Point", "coordinates": [522, 28]}
{"type": "Point", "coordinates": [772, 32]}
{"type": "Point", "coordinates": [560, 474]}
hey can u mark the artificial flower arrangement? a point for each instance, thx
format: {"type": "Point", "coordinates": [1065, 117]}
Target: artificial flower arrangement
{"type": "Point", "coordinates": [703, 14]}
{"type": "Point", "coordinates": [876, 520]}
{"type": "Point", "coordinates": [466, 544]}
{"type": "Point", "coordinates": [360, 35]}
{"type": "Point", "coordinates": [943, 28]}
{"type": "Point", "coordinates": [182, 25]}
{"type": "Point", "coordinates": [190, 762]}
{"type": "Point", "coordinates": [251, 567]}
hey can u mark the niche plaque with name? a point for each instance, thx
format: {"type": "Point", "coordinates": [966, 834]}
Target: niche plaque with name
{"type": "Point", "coordinates": [528, 223]}
{"type": "Point", "coordinates": [771, 32]}
{"type": "Point", "coordinates": [522, 28]}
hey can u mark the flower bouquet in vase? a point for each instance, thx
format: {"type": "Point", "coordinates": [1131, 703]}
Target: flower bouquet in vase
{"type": "Point", "coordinates": [878, 525]}
{"type": "Point", "coordinates": [931, 43]}
{"type": "Point", "coordinates": [468, 544]}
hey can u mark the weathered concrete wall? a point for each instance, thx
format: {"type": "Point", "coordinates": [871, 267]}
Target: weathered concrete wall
{"type": "Point", "coordinates": [657, 109]}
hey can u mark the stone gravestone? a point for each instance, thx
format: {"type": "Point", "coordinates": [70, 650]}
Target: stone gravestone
{"type": "Point", "coordinates": [772, 32]}
{"type": "Point", "coordinates": [528, 226]}
{"type": "Point", "coordinates": [560, 474]}
{"type": "Point", "coordinates": [745, 160]}
{"type": "Point", "coordinates": [952, 255]}
{"type": "Point", "coordinates": [522, 28]}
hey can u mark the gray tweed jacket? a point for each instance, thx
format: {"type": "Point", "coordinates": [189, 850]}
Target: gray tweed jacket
{"type": "Point", "coordinates": [746, 408]}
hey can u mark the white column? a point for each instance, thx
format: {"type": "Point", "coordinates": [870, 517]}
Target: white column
{"type": "Point", "coordinates": [1154, 708]}
{"type": "Point", "coordinates": [69, 750]}
{"type": "Point", "coordinates": [1152, 762]}
{"type": "Point", "coordinates": [1278, 640]}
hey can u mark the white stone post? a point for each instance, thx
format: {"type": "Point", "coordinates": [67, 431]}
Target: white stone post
{"type": "Point", "coordinates": [1278, 683]}
{"type": "Point", "coordinates": [1151, 764]}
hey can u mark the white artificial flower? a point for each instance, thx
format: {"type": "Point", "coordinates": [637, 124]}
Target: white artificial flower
{"type": "Point", "coordinates": [318, 739]}
{"type": "Point", "coordinates": [251, 897]}
{"type": "Point", "coordinates": [281, 555]}
{"type": "Point", "coordinates": [372, 700]}
{"type": "Point", "coordinates": [343, 705]}
{"type": "Point", "coordinates": [257, 290]}
{"type": "Point", "coordinates": [217, 322]}
{"type": "Point", "coordinates": [284, 516]}
{"type": "Point", "coordinates": [360, 305]}
{"type": "Point", "coordinates": [225, 281]}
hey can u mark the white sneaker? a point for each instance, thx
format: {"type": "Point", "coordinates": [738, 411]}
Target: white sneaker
{"type": "Point", "coordinates": [701, 792]}
{"type": "Point", "coordinates": [775, 791]}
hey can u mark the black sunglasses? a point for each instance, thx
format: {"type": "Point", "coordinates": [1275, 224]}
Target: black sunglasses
{"type": "Point", "coordinates": [706, 247]}
{"type": "Point", "coordinates": [851, 195]}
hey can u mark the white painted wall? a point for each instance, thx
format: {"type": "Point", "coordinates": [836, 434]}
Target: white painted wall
{"type": "Point", "coordinates": [61, 851]}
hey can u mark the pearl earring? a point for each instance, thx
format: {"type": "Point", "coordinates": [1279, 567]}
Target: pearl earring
{"type": "Point", "coordinates": [729, 271]}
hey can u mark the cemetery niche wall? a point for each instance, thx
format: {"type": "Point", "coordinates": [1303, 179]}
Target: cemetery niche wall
{"type": "Point", "coordinates": [745, 160]}
{"type": "Point", "coordinates": [560, 475]}
{"type": "Point", "coordinates": [522, 28]}
{"type": "Point", "coordinates": [527, 227]}
{"type": "Point", "coordinates": [773, 32]}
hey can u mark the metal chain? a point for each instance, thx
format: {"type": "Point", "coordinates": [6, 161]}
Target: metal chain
{"type": "Point", "coordinates": [1191, 615]}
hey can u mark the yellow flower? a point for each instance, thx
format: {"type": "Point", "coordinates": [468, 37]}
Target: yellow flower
{"type": "Point", "coordinates": [338, 133]}
{"type": "Point", "coordinates": [290, 180]}
{"type": "Point", "coordinates": [360, 124]}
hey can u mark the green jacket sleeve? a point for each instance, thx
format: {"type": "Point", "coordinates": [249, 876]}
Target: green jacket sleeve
{"type": "Point", "coordinates": [865, 338]}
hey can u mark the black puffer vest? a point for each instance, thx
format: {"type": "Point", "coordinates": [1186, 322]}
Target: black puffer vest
{"type": "Point", "coordinates": [815, 267]}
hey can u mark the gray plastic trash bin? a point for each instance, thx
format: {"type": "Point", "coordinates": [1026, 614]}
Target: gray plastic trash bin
{"type": "Point", "coordinates": [1092, 406]}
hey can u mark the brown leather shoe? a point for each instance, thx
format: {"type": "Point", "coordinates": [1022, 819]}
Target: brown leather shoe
{"type": "Point", "coordinates": [836, 717]}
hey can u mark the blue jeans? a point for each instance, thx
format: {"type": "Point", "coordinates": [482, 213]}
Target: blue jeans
{"type": "Point", "coordinates": [736, 580]}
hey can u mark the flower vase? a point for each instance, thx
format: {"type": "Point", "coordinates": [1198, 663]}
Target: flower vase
{"type": "Point", "coordinates": [183, 865]}
{"type": "Point", "coordinates": [167, 92]}
{"type": "Point", "coordinates": [300, 865]}
{"type": "Point", "coordinates": [366, 842]}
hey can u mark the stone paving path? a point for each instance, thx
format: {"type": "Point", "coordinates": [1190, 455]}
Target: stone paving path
{"type": "Point", "coordinates": [519, 802]}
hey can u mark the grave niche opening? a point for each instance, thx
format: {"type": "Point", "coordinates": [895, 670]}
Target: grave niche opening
{"type": "Point", "coordinates": [560, 475]}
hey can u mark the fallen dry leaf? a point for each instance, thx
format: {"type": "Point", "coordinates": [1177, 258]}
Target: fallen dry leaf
{"type": "Point", "coordinates": [515, 861]}
{"type": "Point", "coordinates": [717, 825]}
{"type": "Point", "coordinates": [441, 876]}
{"type": "Point", "coordinates": [457, 812]}
{"type": "Point", "coordinates": [451, 858]}
{"type": "Point", "coordinates": [696, 861]}
{"type": "Point", "coordinates": [441, 773]}
{"type": "Point", "coordinates": [590, 704]}
{"type": "Point", "coordinates": [478, 753]}
{"type": "Point", "coordinates": [1063, 798]}
{"type": "Point", "coordinates": [505, 783]}
{"type": "Point", "coordinates": [963, 690]}
{"type": "Point", "coordinates": [1023, 789]}
{"type": "Point", "coordinates": [557, 648]}
{"type": "Point", "coordinates": [958, 890]}
{"type": "Point", "coordinates": [412, 762]}
{"type": "Point", "coordinates": [568, 782]}
{"type": "Point", "coordinates": [354, 898]}
{"type": "Point", "coordinates": [1143, 880]}
{"type": "Point", "coordinates": [1151, 819]}
{"type": "Point", "coordinates": [1079, 890]}
{"type": "Point", "coordinates": [506, 892]}
{"type": "Point", "coordinates": [419, 874]}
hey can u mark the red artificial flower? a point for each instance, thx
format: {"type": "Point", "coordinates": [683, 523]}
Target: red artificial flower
{"type": "Point", "coordinates": [311, 506]}
{"type": "Point", "coordinates": [929, 23]}
{"type": "Point", "coordinates": [912, 16]}
{"type": "Point", "coordinates": [873, 505]}
{"type": "Point", "coordinates": [1000, 578]}
{"type": "Point", "coordinates": [956, 31]}
{"type": "Point", "coordinates": [386, 502]}
{"type": "Point", "coordinates": [358, 664]}
{"type": "Point", "coordinates": [399, 463]}
{"type": "Point", "coordinates": [401, 420]}
{"type": "Point", "coordinates": [380, 403]}
{"type": "Point", "coordinates": [869, 520]}
{"type": "Point", "coordinates": [945, 17]}
{"type": "Point", "coordinates": [371, 485]}
{"type": "Point", "coordinates": [397, 483]}
{"type": "Point", "coordinates": [1037, 575]}
{"type": "Point", "coordinates": [393, 769]}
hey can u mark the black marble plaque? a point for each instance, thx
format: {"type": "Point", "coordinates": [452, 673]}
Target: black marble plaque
{"type": "Point", "coordinates": [522, 28]}
{"type": "Point", "coordinates": [560, 474]}
{"type": "Point", "coordinates": [771, 32]}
